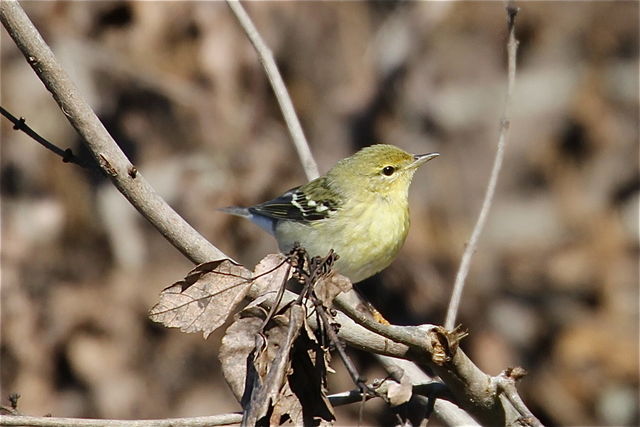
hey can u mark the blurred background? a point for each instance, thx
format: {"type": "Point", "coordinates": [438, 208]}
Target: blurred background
{"type": "Point", "coordinates": [554, 283]}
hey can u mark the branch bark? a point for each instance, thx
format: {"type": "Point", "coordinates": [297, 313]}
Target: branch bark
{"type": "Point", "coordinates": [215, 420]}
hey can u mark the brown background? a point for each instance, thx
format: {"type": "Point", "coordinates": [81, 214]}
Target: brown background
{"type": "Point", "coordinates": [554, 284]}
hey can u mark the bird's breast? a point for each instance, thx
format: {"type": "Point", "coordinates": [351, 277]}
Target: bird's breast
{"type": "Point", "coordinates": [367, 237]}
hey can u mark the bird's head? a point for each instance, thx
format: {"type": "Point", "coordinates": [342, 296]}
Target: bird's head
{"type": "Point", "coordinates": [382, 169]}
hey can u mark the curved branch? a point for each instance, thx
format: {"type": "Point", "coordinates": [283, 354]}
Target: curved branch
{"type": "Point", "coordinates": [279, 89]}
{"type": "Point", "coordinates": [436, 348]}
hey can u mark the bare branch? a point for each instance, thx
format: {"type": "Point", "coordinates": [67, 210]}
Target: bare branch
{"type": "Point", "coordinates": [104, 149]}
{"type": "Point", "coordinates": [449, 413]}
{"type": "Point", "coordinates": [66, 155]}
{"type": "Point", "coordinates": [433, 346]}
{"type": "Point", "coordinates": [280, 90]}
{"type": "Point", "coordinates": [214, 420]}
{"type": "Point", "coordinates": [506, 383]}
{"type": "Point", "coordinates": [408, 335]}
{"type": "Point", "coordinates": [505, 121]}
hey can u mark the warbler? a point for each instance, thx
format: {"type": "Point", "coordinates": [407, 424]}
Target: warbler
{"type": "Point", "coordinates": [359, 209]}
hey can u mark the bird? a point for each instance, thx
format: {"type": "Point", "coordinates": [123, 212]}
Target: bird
{"type": "Point", "coordinates": [359, 208]}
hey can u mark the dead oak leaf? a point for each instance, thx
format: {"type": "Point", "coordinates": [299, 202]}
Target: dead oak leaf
{"type": "Point", "coordinates": [204, 299]}
{"type": "Point", "coordinates": [270, 274]}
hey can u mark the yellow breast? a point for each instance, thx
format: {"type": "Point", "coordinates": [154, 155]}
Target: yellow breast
{"type": "Point", "coordinates": [367, 241]}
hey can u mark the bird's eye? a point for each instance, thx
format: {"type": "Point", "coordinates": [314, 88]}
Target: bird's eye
{"type": "Point", "coordinates": [388, 170]}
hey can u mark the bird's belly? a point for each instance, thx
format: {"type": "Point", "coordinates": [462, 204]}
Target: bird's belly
{"type": "Point", "coordinates": [366, 243]}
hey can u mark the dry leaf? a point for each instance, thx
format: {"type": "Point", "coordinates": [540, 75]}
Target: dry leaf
{"type": "Point", "coordinates": [204, 299]}
{"type": "Point", "coordinates": [287, 405]}
{"type": "Point", "coordinates": [399, 393]}
{"type": "Point", "coordinates": [277, 372]}
{"type": "Point", "coordinates": [329, 287]}
{"type": "Point", "coordinates": [268, 277]}
{"type": "Point", "coordinates": [255, 361]}
{"type": "Point", "coordinates": [270, 273]}
{"type": "Point", "coordinates": [238, 342]}
{"type": "Point", "coordinates": [267, 389]}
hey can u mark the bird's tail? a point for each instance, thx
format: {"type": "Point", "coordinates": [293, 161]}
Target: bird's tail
{"type": "Point", "coordinates": [237, 211]}
{"type": "Point", "coordinates": [264, 222]}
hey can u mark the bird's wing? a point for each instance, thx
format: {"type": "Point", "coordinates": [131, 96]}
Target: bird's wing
{"type": "Point", "coordinates": [310, 202]}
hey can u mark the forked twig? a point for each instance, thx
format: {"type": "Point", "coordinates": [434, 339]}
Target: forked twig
{"type": "Point", "coordinates": [505, 121]}
{"type": "Point", "coordinates": [280, 90]}
{"type": "Point", "coordinates": [506, 383]}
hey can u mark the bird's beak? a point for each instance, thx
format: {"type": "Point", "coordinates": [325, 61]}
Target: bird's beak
{"type": "Point", "coordinates": [420, 159]}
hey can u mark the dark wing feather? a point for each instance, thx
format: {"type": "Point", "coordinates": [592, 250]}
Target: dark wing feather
{"type": "Point", "coordinates": [299, 204]}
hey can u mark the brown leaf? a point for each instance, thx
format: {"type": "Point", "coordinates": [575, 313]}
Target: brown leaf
{"type": "Point", "coordinates": [270, 273]}
{"type": "Point", "coordinates": [238, 342]}
{"type": "Point", "coordinates": [285, 366]}
{"type": "Point", "coordinates": [255, 362]}
{"type": "Point", "coordinates": [287, 405]}
{"type": "Point", "coordinates": [445, 343]}
{"type": "Point", "coordinates": [267, 393]}
{"type": "Point", "coordinates": [399, 393]}
{"type": "Point", "coordinates": [204, 299]}
{"type": "Point", "coordinates": [329, 287]}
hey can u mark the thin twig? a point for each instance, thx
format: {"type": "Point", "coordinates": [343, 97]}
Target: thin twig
{"type": "Point", "coordinates": [319, 269]}
{"type": "Point", "coordinates": [215, 420]}
{"type": "Point", "coordinates": [354, 396]}
{"type": "Point", "coordinates": [274, 307]}
{"type": "Point", "coordinates": [506, 383]}
{"type": "Point", "coordinates": [280, 90]}
{"type": "Point", "coordinates": [66, 155]}
{"type": "Point", "coordinates": [348, 397]}
{"type": "Point", "coordinates": [505, 121]}
{"type": "Point", "coordinates": [348, 363]}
